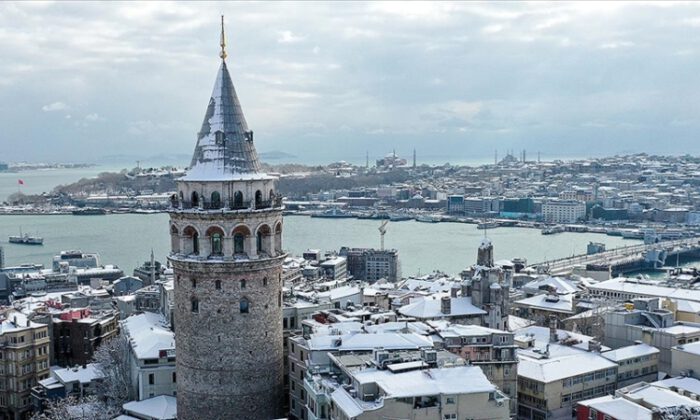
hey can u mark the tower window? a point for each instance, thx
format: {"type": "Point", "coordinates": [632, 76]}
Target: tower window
{"type": "Point", "coordinates": [238, 200]}
{"type": "Point", "coordinates": [265, 281]}
{"type": "Point", "coordinates": [219, 137]}
{"type": "Point", "coordinates": [216, 244]}
{"type": "Point", "coordinates": [244, 306]}
{"type": "Point", "coordinates": [217, 284]}
{"type": "Point", "coordinates": [195, 199]}
{"type": "Point", "coordinates": [194, 283]}
{"type": "Point", "coordinates": [215, 200]}
{"type": "Point", "coordinates": [238, 243]}
{"type": "Point", "coordinates": [242, 282]}
{"type": "Point", "coordinates": [195, 305]}
{"type": "Point", "coordinates": [258, 199]}
{"type": "Point", "coordinates": [195, 243]}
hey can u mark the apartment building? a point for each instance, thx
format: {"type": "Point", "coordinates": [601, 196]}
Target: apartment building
{"type": "Point", "coordinates": [24, 361]}
{"type": "Point", "coordinates": [563, 211]}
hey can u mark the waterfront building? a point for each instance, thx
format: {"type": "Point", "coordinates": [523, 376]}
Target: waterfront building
{"type": "Point", "coordinates": [226, 231]}
{"type": "Point", "coordinates": [24, 351]}
{"type": "Point", "coordinates": [370, 264]}
{"type": "Point", "coordinates": [563, 211]}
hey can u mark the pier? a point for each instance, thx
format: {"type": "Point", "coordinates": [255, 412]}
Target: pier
{"type": "Point", "coordinates": [625, 259]}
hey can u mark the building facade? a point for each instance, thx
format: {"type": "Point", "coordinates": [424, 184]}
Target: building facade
{"type": "Point", "coordinates": [563, 211]}
{"type": "Point", "coordinates": [226, 232]}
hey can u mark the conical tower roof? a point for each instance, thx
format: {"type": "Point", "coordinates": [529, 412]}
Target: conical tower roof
{"type": "Point", "coordinates": [225, 149]}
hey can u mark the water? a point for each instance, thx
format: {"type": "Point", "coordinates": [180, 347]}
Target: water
{"type": "Point", "coordinates": [45, 180]}
{"type": "Point", "coordinates": [127, 240]}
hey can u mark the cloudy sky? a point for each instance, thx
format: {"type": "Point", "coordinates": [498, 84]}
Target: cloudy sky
{"type": "Point", "coordinates": [328, 81]}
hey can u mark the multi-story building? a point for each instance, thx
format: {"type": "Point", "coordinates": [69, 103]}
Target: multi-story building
{"type": "Point", "coordinates": [370, 264]}
{"type": "Point", "coordinates": [685, 359]}
{"type": "Point", "coordinates": [24, 361]}
{"type": "Point", "coordinates": [563, 211]}
{"type": "Point", "coordinates": [636, 363]}
{"type": "Point", "coordinates": [226, 240]}
{"type": "Point", "coordinates": [556, 370]}
{"type": "Point", "coordinates": [491, 350]}
{"type": "Point", "coordinates": [76, 334]}
{"type": "Point", "coordinates": [151, 356]}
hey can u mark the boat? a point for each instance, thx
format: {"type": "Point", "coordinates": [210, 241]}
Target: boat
{"type": "Point", "coordinates": [551, 230]}
{"type": "Point", "coordinates": [399, 217]}
{"type": "Point", "coordinates": [26, 239]}
{"type": "Point", "coordinates": [632, 234]}
{"type": "Point", "coordinates": [333, 213]}
{"type": "Point", "coordinates": [487, 225]}
{"type": "Point", "coordinates": [427, 218]}
{"type": "Point", "coordinates": [89, 211]}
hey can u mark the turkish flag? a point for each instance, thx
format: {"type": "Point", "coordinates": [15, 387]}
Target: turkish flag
{"type": "Point", "coordinates": [20, 182]}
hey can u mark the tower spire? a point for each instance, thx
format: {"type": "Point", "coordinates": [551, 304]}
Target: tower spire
{"type": "Point", "coordinates": [222, 54]}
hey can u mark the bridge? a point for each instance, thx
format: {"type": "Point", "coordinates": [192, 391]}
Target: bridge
{"type": "Point", "coordinates": [624, 259]}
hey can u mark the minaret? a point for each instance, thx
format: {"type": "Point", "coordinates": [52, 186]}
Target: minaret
{"type": "Point", "coordinates": [226, 237]}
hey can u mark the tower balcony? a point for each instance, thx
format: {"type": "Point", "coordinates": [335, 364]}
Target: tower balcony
{"type": "Point", "coordinates": [225, 205]}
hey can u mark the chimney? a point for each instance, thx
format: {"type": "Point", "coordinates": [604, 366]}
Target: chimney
{"type": "Point", "coordinates": [446, 305]}
{"type": "Point", "coordinates": [553, 329]}
{"type": "Point", "coordinates": [454, 290]}
{"type": "Point", "coordinates": [466, 288]}
{"type": "Point", "coordinates": [594, 346]}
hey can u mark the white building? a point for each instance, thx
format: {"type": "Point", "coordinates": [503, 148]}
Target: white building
{"type": "Point", "coordinates": [151, 355]}
{"type": "Point", "coordinates": [563, 211]}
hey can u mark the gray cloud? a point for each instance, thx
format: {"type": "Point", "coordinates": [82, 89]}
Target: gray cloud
{"type": "Point", "coordinates": [331, 80]}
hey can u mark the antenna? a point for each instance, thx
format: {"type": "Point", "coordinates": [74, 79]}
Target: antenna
{"type": "Point", "coordinates": [222, 54]}
{"type": "Point", "coordinates": [382, 232]}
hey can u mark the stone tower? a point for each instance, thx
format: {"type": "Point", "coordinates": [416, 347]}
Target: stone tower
{"type": "Point", "coordinates": [226, 237]}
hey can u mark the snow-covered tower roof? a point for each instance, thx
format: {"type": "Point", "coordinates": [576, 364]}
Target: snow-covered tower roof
{"type": "Point", "coordinates": [225, 148]}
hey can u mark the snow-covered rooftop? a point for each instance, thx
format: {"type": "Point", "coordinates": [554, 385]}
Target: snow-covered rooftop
{"type": "Point", "coordinates": [78, 374]}
{"type": "Point", "coordinates": [148, 334]}
{"type": "Point", "coordinates": [629, 352]}
{"type": "Point", "coordinates": [429, 307]}
{"type": "Point", "coordinates": [618, 408]}
{"type": "Point", "coordinates": [162, 407]}
{"type": "Point", "coordinates": [367, 342]}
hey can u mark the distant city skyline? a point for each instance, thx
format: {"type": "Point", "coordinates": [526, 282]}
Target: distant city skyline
{"type": "Point", "coordinates": [325, 82]}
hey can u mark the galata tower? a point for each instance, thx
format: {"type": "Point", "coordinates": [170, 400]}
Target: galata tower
{"type": "Point", "coordinates": [226, 231]}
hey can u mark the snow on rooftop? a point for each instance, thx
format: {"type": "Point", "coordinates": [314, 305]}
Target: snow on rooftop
{"type": "Point", "coordinates": [162, 407]}
{"type": "Point", "coordinates": [556, 303]}
{"type": "Point", "coordinates": [685, 383]}
{"type": "Point", "coordinates": [345, 402]}
{"type": "Point", "coordinates": [661, 397]}
{"type": "Point", "coordinates": [366, 342]}
{"type": "Point", "coordinates": [148, 334]}
{"type": "Point", "coordinates": [451, 380]}
{"type": "Point", "coordinates": [430, 307]}
{"type": "Point", "coordinates": [692, 348]}
{"type": "Point", "coordinates": [646, 288]}
{"type": "Point", "coordinates": [78, 374]}
{"type": "Point", "coordinates": [563, 362]}
{"type": "Point", "coordinates": [618, 408]}
{"type": "Point", "coordinates": [629, 352]}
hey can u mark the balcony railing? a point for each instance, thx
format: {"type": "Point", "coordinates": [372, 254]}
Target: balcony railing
{"type": "Point", "coordinates": [226, 204]}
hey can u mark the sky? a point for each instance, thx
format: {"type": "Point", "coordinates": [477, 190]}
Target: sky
{"type": "Point", "coordinates": [84, 81]}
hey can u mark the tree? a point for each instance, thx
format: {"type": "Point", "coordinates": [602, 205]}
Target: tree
{"type": "Point", "coordinates": [112, 357]}
{"type": "Point", "coordinates": [73, 408]}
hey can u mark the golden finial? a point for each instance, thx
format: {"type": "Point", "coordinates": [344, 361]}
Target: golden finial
{"type": "Point", "coordinates": [222, 54]}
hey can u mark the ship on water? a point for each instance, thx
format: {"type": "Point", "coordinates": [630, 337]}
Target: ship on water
{"type": "Point", "coordinates": [89, 211]}
{"type": "Point", "coordinates": [26, 239]}
{"type": "Point", "coordinates": [333, 213]}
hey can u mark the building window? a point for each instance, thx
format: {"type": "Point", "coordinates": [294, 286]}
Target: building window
{"type": "Point", "coordinates": [238, 200]}
{"type": "Point", "coordinates": [242, 282]}
{"type": "Point", "coordinates": [244, 306]}
{"type": "Point", "coordinates": [151, 379]}
{"type": "Point", "coordinates": [195, 305]}
{"type": "Point", "coordinates": [265, 281]}
{"type": "Point", "coordinates": [217, 284]}
{"type": "Point", "coordinates": [194, 283]}
{"type": "Point", "coordinates": [215, 200]}
{"type": "Point", "coordinates": [174, 377]}
{"type": "Point", "coordinates": [195, 243]}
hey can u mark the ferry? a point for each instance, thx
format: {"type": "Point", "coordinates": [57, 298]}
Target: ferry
{"type": "Point", "coordinates": [427, 218]}
{"type": "Point", "coordinates": [487, 225]}
{"type": "Point", "coordinates": [632, 234]}
{"type": "Point", "coordinates": [26, 239]}
{"type": "Point", "coordinates": [89, 211]}
{"type": "Point", "coordinates": [551, 230]}
{"type": "Point", "coordinates": [399, 217]}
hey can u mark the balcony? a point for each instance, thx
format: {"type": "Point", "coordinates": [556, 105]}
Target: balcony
{"type": "Point", "coordinates": [227, 205]}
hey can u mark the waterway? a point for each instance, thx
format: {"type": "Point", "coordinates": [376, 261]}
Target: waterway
{"type": "Point", "coordinates": [127, 240]}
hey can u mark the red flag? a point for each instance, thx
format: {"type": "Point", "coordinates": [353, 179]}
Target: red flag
{"type": "Point", "coordinates": [20, 182]}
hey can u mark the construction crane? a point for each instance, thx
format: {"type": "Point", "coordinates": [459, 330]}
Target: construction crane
{"type": "Point", "coordinates": [382, 231]}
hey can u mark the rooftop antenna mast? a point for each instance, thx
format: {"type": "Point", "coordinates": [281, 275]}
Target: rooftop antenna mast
{"type": "Point", "coordinates": [382, 232]}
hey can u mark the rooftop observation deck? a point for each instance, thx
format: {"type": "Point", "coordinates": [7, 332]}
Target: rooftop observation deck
{"type": "Point", "coordinates": [225, 205]}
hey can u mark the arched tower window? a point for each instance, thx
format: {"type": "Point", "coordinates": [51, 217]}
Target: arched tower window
{"type": "Point", "coordinates": [191, 244]}
{"type": "Point", "coordinates": [215, 200]}
{"type": "Point", "coordinates": [174, 239]}
{"type": "Point", "coordinates": [262, 239]}
{"type": "Point", "coordinates": [238, 200]}
{"type": "Point", "coordinates": [195, 199]}
{"type": "Point", "coordinates": [258, 199]}
{"type": "Point", "coordinates": [195, 305]}
{"type": "Point", "coordinates": [216, 237]}
{"type": "Point", "coordinates": [244, 306]}
{"type": "Point", "coordinates": [240, 233]}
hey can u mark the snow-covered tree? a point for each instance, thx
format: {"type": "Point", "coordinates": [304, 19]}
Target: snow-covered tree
{"type": "Point", "coordinates": [112, 358]}
{"type": "Point", "coordinates": [73, 408]}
